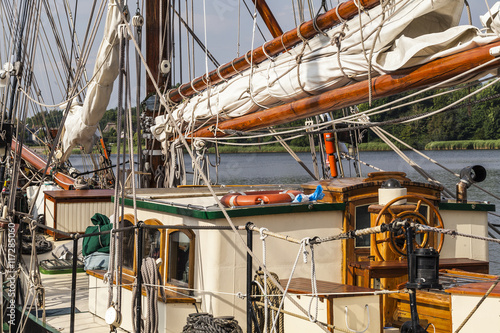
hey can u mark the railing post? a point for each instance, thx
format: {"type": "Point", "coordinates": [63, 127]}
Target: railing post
{"type": "Point", "coordinates": [73, 282]}
{"type": "Point", "coordinates": [138, 294]}
{"type": "Point", "coordinates": [249, 276]}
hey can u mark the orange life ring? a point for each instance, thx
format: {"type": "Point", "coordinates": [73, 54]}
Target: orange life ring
{"type": "Point", "coordinates": [258, 198]}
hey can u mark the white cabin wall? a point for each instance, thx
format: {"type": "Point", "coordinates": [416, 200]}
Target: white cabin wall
{"type": "Point", "coordinates": [485, 319]}
{"type": "Point", "coordinates": [467, 222]}
{"type": "Point", "coordinates": [220, 260]}
{"type": "Point", "coordinates": [171, 316]}
{"type": "Point", "coordinates": [74, 216]}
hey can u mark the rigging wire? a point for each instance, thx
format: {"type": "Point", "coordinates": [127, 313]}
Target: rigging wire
{"type": "Point", "coordinates": [205, 179]}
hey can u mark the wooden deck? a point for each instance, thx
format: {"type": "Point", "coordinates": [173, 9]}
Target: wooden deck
{"type": "Point", "coordinates": [58, 301]}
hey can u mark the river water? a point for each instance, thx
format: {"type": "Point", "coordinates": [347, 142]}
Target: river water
{"type": "Point", "coordinates": [281, 168]}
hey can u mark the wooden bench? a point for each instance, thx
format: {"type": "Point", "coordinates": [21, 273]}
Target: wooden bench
{"type": "Point", "coordinates": [334, 290]}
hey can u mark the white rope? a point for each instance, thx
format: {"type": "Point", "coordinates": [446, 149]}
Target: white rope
{"type": "Point", "coordinates": [454, 233]}
{"type": "Point", "coordinates": [367, 310]}
{"type": "Point", "coordinates": [314, 288]}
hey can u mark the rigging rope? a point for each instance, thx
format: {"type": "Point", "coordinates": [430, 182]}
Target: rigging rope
{"type": "Point", "coordinates": [150, 275]}
{"type": "Point", "coordinates": [265, 291]}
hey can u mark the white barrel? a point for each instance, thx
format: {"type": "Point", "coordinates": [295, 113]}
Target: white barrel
{"type": "Point", "coordinates": [387, 194]}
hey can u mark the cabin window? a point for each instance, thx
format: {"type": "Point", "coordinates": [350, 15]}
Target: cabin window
{"type": "Point", "coordinates": [128, 244]}
{"type": "Point", "coordinates": [362, 221]}
{"type": "Point", "coordinates": [153, 244]}
{"type": "Point", "coordinates": [180, 258]}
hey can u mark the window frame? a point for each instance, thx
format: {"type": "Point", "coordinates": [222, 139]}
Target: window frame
{"type": "Point", "coordinates": [192, 237]}
{"type": "Point", "coordinates": [130, 218]}
{"type": "Point", "coordinates": [154, 221]}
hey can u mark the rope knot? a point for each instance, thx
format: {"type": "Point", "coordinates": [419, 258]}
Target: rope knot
{"type": "Point", "coordinates": [303, 243]}
{"type": "Point", "coordinates": [262, 235]}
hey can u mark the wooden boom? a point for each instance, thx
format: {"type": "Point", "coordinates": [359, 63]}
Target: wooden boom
{"type": "Point", "coordinates": [385, 85]}
{"type": "Point", "coordinates": [346, 10]}
{"type": "Point", "coordinates": [39, 163]}
{"type": "Point", "coordinates": [268, 17]}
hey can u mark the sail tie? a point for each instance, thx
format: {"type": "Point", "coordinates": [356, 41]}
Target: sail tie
{"type": "Point", "coordinates": [298, 60]}
{"type": "Point", "coordinates": [315, 23]}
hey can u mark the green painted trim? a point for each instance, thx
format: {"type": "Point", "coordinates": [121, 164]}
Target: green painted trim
{"type": "Point", "coordinates": [236, 212]}
{"type": "Point", "coordinates": [60, 271]}
{"type": "Point", "coordinates": [476, 207]}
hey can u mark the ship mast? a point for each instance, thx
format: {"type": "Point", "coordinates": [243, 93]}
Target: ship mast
{"type": "Point", "coordinates": [158, 54]}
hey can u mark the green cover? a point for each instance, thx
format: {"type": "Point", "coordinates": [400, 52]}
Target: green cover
{"type": "Point", "coordinates": [97, 243]}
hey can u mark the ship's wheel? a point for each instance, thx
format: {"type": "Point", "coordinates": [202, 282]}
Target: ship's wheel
{"type": "Point", "coordinates": [396, 239]}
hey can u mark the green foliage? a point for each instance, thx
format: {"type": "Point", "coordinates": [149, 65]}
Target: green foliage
{"type": "Point", "coordinates": [50, 118]}
{"type": "Point", "coordinates": [466, 144]}
{"type": "Point", "coordinates": [474, 119]}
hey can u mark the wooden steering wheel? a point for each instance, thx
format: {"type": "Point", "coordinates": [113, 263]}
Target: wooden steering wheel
{"type": "Point", "coordinates": [397, 239]}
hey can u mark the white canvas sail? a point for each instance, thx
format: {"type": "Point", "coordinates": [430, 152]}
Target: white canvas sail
{"type": "Point", "coordinates": [401, 34]}
{"type": "Point", "coordinates": [82, 120]}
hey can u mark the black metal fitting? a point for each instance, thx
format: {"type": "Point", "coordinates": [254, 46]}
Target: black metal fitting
{"type": "Point", "coordinates": [315, 240]}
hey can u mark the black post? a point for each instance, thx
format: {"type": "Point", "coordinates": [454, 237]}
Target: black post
{"type": "Point", "coordinates": [73, 283]}
{"type": "Point", "coordinates": [138, 293]}
{"type": "Point", "coordinates": [414, 325]}
{"type": "Point", "coordinates": [249, 276]}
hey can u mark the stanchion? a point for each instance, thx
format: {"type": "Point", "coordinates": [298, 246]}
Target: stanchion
{"type": "Point", "coordinates": [138, 294]}
{"type": "Point", "coordinates": [73, 283]}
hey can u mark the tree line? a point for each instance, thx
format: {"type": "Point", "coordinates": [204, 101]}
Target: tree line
{"type": "Point", "coordinates": [476, 118]}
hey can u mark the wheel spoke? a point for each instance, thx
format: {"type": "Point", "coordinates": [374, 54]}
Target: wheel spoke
{"type": "Point", "coordinates": [389, 210]}
{"type": "Point", "coordinates": [419, 203]}
{"type": "Point", "coordinates": [414, 215]}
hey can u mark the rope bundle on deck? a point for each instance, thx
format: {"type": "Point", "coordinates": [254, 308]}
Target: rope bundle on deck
{"type": "Point", "coordinates": [205, 322]}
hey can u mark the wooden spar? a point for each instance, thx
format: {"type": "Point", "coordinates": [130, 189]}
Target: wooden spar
{"type": "Point", "coordinates": [268, 17]}
{"type": "Point", "coordinates": [154, 55]}
{"type": "Point", "coordinates": [156, 27]}
{"type": "Point", "coordinates": [346, 10]}
{"type": "Point", "coordinates": [385, 85]}
{"type": "Point", "coordinates": [39, 163]}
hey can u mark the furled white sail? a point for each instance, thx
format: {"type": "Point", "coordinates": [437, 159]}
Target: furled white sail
{"type": "Point", "coordinates": [398, 35]}
{"type": "Point", "coordinates": [81, 123]}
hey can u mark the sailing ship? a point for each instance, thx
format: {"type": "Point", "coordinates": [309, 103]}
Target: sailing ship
{"type": "Point", "coordinates": [375, 253]}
